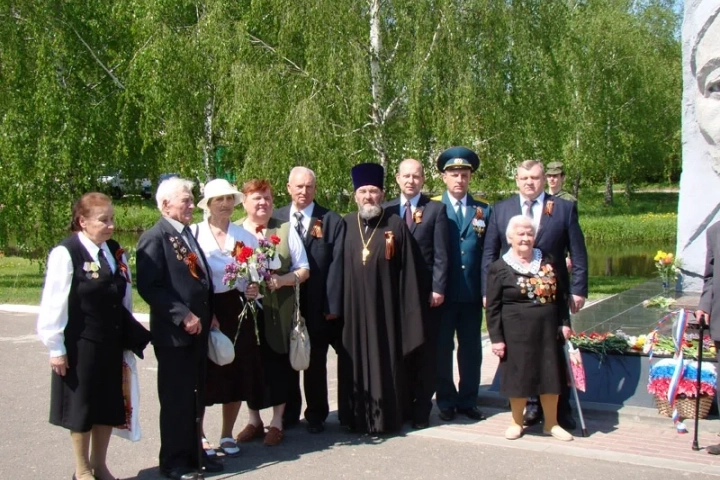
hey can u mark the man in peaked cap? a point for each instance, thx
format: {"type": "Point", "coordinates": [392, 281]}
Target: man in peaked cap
{"type": "Point", "coordinates": [555, 176]}
{"type": "Point", "coordinates": [382, 308]}
{"type": "Point", "coordinates": [461, 313]}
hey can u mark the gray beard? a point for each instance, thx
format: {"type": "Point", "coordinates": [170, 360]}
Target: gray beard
{"type": "Point", "coordinates": [367, 212]}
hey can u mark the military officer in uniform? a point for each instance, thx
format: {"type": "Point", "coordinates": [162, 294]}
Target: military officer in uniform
{"type": "Point", "coordinates": [555, 176]}
{"type": "Point", "coordinates": [461, 313]}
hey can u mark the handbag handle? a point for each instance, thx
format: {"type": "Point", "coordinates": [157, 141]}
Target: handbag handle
{"type": "Point", "coordinates": [297, 318]}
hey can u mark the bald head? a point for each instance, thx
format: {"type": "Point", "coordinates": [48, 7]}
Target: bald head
{"type": "Point", "coordinates": [410, 177]}
{"type": "Point", "coordinates": [301, 187]}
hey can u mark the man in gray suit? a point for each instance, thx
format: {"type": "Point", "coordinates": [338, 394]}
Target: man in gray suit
{"type": "Point", "coordinates": [709, 306]}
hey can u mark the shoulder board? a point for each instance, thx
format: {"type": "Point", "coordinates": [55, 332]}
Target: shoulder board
{"type": "Point", "coordinates": [437, 198]}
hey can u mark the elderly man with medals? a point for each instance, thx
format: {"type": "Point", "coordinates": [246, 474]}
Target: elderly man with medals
{"type": "Point", "coordinates": [382, 308]}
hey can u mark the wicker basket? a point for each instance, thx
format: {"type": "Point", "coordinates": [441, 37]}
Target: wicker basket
{"type": "Point", "coordinates": [685, 406]}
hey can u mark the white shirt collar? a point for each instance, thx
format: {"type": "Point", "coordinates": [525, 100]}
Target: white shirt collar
{"type": "Point", "coordinates": [454, 200]}
{"type": "Point", "coordinates": [179, 226]}
{"type": "Point", "coordinates": [307, 211]}
{"type": "Point", "coordinates": [539, 199]}
{"type": "Point", "coordinates": [94, 249]}
{"type": "Point", "coordinates": [413, 201]}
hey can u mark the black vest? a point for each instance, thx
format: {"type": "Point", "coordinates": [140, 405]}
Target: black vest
{"type": "Point", "coordinates": [95, 308]}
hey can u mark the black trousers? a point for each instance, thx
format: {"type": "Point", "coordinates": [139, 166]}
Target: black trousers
{"type": "Point", "coordinates": [315, 377]}
{"type": "Point", "coordinates": [179, 370]}
{"type": "Point", "coordinates": [421, 370]}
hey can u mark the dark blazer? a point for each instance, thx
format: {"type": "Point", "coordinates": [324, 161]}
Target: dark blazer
{"type": "Point", "coordinates": [559, 233]}
{"type": "Point", "coordinates": [710, 297]}
{"type": "Point", "coordinates": [465, 249]}
{"type": "Point", "coordinates": [322, 292]}
{"type": "Point", "coordinates": [430, 236]}
{"type": "Point", "coordinates": [166, 284]}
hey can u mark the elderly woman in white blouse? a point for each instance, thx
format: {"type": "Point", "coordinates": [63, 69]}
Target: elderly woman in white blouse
{"type": "Point", "coordinates": [83, 319]}
{"type": "Point", "coordinates": [241, 380]}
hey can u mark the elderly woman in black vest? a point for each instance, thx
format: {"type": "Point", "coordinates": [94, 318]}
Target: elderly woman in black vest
{"type": "Point", "coordinates": [84, 315]}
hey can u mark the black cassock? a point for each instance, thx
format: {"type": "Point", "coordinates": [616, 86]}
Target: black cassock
{"type": "Point", "coordinates": [383, 323]}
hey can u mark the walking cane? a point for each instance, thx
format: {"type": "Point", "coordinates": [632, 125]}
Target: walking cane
{"type": "Point", "coordinates": [198, 417]}
{"type": "Point", "coordinates": [574, 389]}
{"type": "Point", "coordinates": [695, 445]}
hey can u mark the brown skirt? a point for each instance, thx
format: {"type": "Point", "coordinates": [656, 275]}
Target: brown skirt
{"type": "Point", "coordinates": [241, 380]}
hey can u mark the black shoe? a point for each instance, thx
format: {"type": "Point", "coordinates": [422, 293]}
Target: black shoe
{"type": "Point", "coordinates": [212, 466]}
{"type": "Point", "coordinates": [447, 414]}
{"type": "Point", "coordinates": [473, 413]}
{"type": "Point", "coordinates": [567, 422]}
{"type": "Point", "coordinates": [179, 473]}
{"type": "Point", "coordinates": [420, 425]}
{"type": "Point", "coordinates": [532, 415]}
{"type": "Point", "coordinates": [713, 449]}
{"type": "Point", "coordinates": [315, 427]}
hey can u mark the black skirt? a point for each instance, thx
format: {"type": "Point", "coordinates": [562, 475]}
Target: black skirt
{"type": "Point", "coordinates": [90, 393]}
{"type": "Point", "coordinates": [241, 380]}
{"type": "Point", "coordinates": [277, 372]}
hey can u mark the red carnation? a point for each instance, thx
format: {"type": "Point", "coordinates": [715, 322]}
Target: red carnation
{"type": "Point", "coordinates": [245, 253]}
{"type": "Point", "coordinates": [275, 239]}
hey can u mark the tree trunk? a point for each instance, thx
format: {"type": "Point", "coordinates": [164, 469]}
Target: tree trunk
{"type": "Point", "coordinates": [377, 84]}
{"type": "Point", "coordinates": [576, 185]}
{"type": "Point", "coordinates": [608, 190]}
{"type": "Point", "coordinates": [208, 140]}
{"type": "Point", "coordinates": [628, 189]}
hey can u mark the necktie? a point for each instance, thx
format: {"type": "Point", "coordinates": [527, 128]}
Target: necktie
{"type": "Point", "coordinates": [408, 214]}
{"type": "Point", "coordinates": [459, 212]}
{"type": "Point", "coordinates": [529, 208]}
{"type": "Point", "coordinates": [102, 259]}
{"type": "Point", "coordinates": [299, 225]}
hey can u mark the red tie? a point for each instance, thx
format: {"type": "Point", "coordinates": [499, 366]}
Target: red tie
{"type": "Point", "coordinates": [408, 214]}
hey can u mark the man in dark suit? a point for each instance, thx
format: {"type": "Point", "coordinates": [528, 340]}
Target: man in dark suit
{"type": "Point", "coordinates": [461, 313]}
{"type": "Point", "coordinates": [428, 224]}
{"type": "Point", "coordinates": [173, 278]}
{"type": "Point", "coordinates": [558, 232]}
{"type": "Point", "coordinates": [709, 305]}
{"type": "Point", "coordinates": [323, 233]}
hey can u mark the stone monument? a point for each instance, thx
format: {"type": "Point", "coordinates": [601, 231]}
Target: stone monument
{"type": "Point", "coordinates": [699, 205]}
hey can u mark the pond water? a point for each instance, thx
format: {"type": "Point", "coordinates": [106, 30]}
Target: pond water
{"type": "Point", "coordinates": [610, 260]}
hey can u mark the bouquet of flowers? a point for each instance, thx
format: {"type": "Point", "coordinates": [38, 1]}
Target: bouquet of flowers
{"type": "Point", "coordinates": [668, 267]}
{"type": "Point", "coordinates": [252, 265]}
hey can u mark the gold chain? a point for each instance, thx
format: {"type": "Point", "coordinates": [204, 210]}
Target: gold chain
{"type": "Point", "coordinates": [365, 251]}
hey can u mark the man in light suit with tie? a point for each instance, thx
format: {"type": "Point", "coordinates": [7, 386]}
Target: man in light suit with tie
{"type": "Point", "coordinates": [462, 311]}
{"type": "Point", "coordinates": [558, 232]}
{"type": "Point", "coordinates": [428, 224]}
{"type": "Point", "coordinates": [321, 296]}
{"type": "Point", "coordinates": [174, 279]}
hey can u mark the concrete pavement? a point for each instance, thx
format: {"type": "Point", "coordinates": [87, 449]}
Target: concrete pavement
{"type": "Point", "coordinates": [619, 446]}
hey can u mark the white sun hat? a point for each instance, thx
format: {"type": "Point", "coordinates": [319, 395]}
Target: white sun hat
{"type": "Point", "coordinates": [218, 188]}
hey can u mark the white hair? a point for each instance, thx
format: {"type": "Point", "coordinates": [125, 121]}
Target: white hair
{"type": "Point", "coordinates": [300, 171]}
{"type": "Point", "coordinates": [169, 188]}
{"type": "Point", "coordinates": [515, 222]}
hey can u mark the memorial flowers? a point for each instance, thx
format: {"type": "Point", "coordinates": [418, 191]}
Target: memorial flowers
{"type": "Point", "coordinates": [668, 267]}
{"type": "Point", "coordinates": [252, 265]}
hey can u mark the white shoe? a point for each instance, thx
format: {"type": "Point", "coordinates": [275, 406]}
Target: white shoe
{"type": "Point", "coordinates": [514, 432]}
{"type": "Point", "coordinates": [558, 432]}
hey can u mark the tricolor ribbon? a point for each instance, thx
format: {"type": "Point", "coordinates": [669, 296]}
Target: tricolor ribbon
{"type": "Point", "coordinates": [678, 336]}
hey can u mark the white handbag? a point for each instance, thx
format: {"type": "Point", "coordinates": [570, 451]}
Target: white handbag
{"type": "Point", "coordinates": [299, 338]}
{"type": "Point", "coordinates": [220, 348]}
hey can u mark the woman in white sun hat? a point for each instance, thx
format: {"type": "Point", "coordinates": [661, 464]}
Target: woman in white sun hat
{"type": "Point", "coordinates": [240, 380]}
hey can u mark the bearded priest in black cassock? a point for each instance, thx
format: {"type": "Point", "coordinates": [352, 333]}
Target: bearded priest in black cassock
{"type": "Point", "coordinates": [382, 307]}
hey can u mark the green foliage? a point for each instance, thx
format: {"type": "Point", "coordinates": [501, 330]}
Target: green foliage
{"type": "Point", "coordinates": [631, 228]}
{"type": "Point", "coordinates": [153, 86]}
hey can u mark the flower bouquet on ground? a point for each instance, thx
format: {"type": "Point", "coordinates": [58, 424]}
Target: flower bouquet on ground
{"type": "Point", "coordinates": [683, 389]}
{"type": "Point", "coordinates": [600, 343]}
{"type": "Point", "coordinates": [252, 266]}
